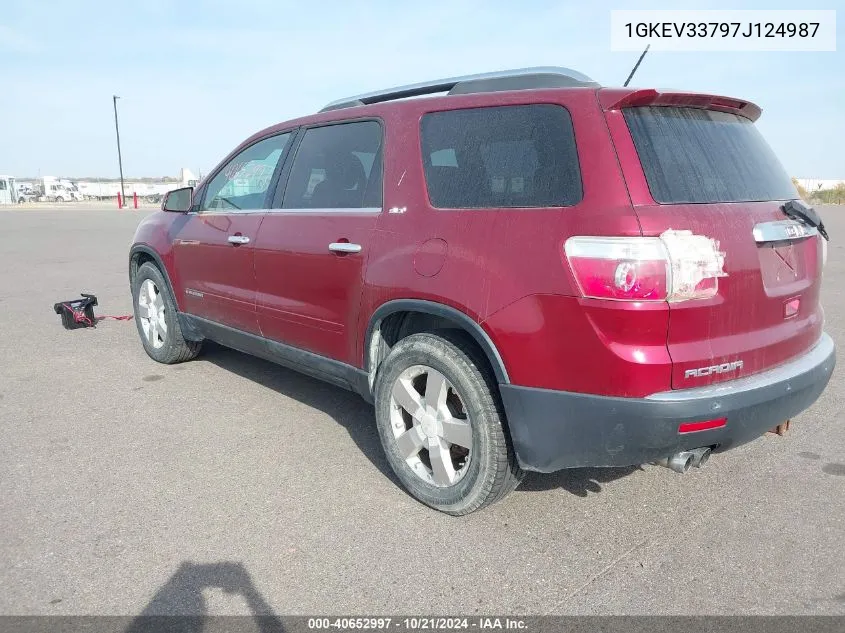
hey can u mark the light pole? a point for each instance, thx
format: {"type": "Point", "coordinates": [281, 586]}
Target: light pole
{"type": "Point", "coordinates": [119, 158]}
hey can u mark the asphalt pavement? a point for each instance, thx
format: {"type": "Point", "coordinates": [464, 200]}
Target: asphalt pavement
{"type": "Point", "coordinates": [228, 485]}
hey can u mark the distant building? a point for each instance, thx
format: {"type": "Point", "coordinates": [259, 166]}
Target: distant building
{"type": "Point", "coordinates": [187, 178]}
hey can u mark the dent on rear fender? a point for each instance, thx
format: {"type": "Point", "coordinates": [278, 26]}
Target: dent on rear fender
{"type": "Point", "coordinates": [586, 346]}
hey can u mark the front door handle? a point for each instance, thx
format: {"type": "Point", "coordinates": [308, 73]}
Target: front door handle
{"type": "Point", "coordinates": [344, 247]}
{"type": "Point", "coordinates": [238, 239]}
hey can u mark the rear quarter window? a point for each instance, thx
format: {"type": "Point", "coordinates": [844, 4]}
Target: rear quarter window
{"type": "Point", "coordinates": [696, 155]}
{"type": "Point", "coordinates": [501, 157]}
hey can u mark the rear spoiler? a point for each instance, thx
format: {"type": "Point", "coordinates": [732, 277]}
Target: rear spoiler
{"type": "Point", "coordinates": [617, 98]}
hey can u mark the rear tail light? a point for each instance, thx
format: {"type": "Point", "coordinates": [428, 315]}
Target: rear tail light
{"type": "Point", "coordinates": [677, 266]}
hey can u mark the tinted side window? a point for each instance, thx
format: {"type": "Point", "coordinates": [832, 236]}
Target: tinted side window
{"type": "Point", "coordinates": [2, 185]}
{"type": "Point", "coordinates": [503, 156]}
{"type": "Point", "coordinates": [242, 184]}
{"type": "Point", "coordinates": [337, 167]}
{"type": "Point", "coordinates": [696, 155]}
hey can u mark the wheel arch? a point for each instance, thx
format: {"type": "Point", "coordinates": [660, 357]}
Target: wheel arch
{"type": "Point", "coordinates": [397, 315]}
{"type": "Point", "coordinates": [139, 254]}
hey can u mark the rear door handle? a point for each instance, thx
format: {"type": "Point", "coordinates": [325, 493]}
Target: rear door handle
{"type": "Point", "coordinates": [344, 247]}
{"type": "Point", "coordinates": [238, 239]}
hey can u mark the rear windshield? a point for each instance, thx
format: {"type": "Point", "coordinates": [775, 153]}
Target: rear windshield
{"type": "Point", "coordinates": [696, 155]}
{"type": "Point", "coordinates": [502, 156]}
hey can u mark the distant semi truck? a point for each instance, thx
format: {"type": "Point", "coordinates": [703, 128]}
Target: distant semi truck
{"type": "Point", "coordinates": [58, 190]}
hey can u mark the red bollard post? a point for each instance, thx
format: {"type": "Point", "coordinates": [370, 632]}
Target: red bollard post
{"type": "Point", "coordinates": [135, 199]}
{"type": "Point", "coordinates": [119, 201]}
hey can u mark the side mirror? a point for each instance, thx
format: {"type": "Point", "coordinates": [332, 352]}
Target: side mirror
{"type": "Point", "coordinates": [178, 200]}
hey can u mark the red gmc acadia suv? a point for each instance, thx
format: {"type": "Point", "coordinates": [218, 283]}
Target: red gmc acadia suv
{"type": "Point", "coordinates": [530, 272]}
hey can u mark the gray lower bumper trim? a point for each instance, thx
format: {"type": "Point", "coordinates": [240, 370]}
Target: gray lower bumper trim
{"type": "Point", "coordinates": [552, 430]}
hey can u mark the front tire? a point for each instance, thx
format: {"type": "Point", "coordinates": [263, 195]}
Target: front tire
{"type": "Point", "coordinates": [441, 423]}
{"type": "Point", "coordinates": [156, 318]}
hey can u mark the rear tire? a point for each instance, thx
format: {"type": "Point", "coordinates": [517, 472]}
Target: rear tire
{"type": "Point", "coordinates": [156, 318]}
{"type": "Point", "coordinates": [450, 387]}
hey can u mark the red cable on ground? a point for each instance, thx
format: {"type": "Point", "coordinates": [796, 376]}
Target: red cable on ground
{"type": "Point", "coordinates": [79, 316]}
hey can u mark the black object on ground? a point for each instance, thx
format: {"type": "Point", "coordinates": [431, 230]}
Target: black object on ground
{"type": "Point", "coordinates": [77, 313]}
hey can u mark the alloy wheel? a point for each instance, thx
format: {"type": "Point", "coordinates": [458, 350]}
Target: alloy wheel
{"type": "Point", "coordinates": [151, 312]}
{"type": "Point", "coordinates": [430, 426]}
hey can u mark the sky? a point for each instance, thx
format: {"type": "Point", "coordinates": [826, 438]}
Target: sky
{"type": "Point", "coordinates": [196, 78]}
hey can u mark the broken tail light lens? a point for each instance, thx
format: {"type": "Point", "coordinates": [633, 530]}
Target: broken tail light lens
{"type": "Point", "coordinates": [677, 266]}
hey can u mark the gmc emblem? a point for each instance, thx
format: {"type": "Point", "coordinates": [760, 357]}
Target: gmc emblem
{"type": "Point", "coordinates": [713, 369]}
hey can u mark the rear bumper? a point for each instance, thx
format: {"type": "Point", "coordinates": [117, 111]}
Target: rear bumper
{"type": "Point", "coordinates": [552, 430]}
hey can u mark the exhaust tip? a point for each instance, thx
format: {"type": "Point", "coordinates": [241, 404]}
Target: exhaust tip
{"type": "Point", "coordinates": [681, 462]}
{"type": "Point", "coordinates": [700, 456]}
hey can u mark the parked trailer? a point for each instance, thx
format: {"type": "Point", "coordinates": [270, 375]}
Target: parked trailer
{"type": "Point", "coordinates": [8, 190]}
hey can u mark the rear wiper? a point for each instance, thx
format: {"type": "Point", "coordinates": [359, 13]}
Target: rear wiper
{"type": "Point", "coordinates": [798, 210]}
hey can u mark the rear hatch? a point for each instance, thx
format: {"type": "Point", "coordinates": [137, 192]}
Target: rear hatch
{"type": "Point", "coordinates": [698, 163]}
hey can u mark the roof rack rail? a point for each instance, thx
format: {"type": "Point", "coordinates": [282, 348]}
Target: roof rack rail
{"type": "Point", "coordinates": [518, 79]}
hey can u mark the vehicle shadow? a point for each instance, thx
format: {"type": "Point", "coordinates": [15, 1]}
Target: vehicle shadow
{"type": "Point", "coordinates": [356, 416]}
{"type": "Point", "coordinates": [180, 607]}
{"type": "Point", "coordinates": [579, 481]}
{"type": "Point", "coordinates": [346, 408]}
